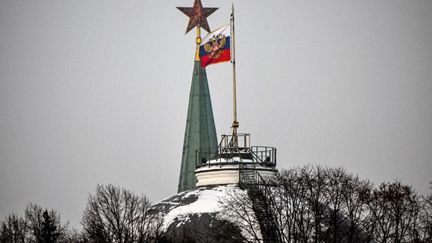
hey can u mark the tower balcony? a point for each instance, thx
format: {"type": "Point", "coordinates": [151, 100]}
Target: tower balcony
{"type": "Point", "coordinates": [233, 156]}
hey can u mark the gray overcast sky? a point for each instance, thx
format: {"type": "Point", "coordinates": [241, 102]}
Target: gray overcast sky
{"type": "Point", "coordinates": [96, 92]}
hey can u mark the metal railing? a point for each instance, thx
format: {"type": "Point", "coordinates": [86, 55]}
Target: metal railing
{"type": "Point", "coordinates": [256, 155]}
{"type": "Point", "coordinates": [252, 179]}
{"type": "Point", "coordinates": [239, 141]}
{"type": "Point", "coordinates": [262, 155]}
{"type": "Point", "coordinates": [235, 150]}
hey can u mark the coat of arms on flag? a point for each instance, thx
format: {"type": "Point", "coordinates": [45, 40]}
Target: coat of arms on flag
{"type": "Point", "coordinates": [216, 47]}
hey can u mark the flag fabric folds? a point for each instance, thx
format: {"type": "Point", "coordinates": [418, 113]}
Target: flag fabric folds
{"type": "Point", "coordinates": [216, 46]}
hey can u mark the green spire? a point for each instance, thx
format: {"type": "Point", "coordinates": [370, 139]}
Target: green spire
{"type": "Point", "coordinates": [200, 128]}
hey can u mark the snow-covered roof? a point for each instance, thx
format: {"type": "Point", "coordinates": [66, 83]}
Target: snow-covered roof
{"type": "Point", "coordinates": [204, 201]}
{"type": "Point", "coordinates": [183, 207]}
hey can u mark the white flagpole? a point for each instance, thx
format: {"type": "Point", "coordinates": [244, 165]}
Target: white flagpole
{"type": "Point", "coordinates": [235, 124]}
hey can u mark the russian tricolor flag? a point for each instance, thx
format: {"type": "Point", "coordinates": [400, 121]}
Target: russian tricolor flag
{"type": "Point", "coordinates": [216, 46]}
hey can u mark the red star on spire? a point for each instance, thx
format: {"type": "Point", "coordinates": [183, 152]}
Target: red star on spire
{"type": "Point", "coordinates": [197, 16]}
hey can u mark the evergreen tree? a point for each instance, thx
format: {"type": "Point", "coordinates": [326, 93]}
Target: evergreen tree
{"type": "Point", "coordinates": [50, 233]}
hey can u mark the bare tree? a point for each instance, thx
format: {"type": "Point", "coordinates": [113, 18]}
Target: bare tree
{"type": "Point", "coordinates": [13, 229]}
{"type": "Point", "coordinates": [394, 208]}
{"type": "Point", "coordinates": [33, 215]}
{"type": "Point", "coordinates": [356, 197]}
{"type": "Point", "coordinates": [423, 229]}
{"type": "Point", "coordinates": [238, 208]}
{"type": "Point", "coordinates": [336, 190]}
{"type": "Point", "coordinates": [316, 182]}
{"type": "Point", "coordinates": [290, 208]}
{"type": "Point", "coordinates": [115, 214]}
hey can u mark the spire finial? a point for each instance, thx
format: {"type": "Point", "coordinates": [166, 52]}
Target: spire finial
{"type": "Point", "coordinates": [197, 16]}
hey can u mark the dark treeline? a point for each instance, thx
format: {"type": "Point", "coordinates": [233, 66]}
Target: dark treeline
{"type": "Point", "coordinates": [308, 204]}
{"type": "Point", "coordinates": [37, 225]}
{"type": "Point", "coordinates": [316, 204]}
{"type": "Point", "coordinates": [113, 214]}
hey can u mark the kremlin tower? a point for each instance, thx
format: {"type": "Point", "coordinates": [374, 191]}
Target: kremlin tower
{"type": "Point", "coordinates": [205, 162]}
{"type": "Point", "coordinates": [213, 173]}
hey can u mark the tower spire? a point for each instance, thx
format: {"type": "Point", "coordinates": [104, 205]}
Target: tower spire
{"type": "Point", "coordinates": [200, 132]}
